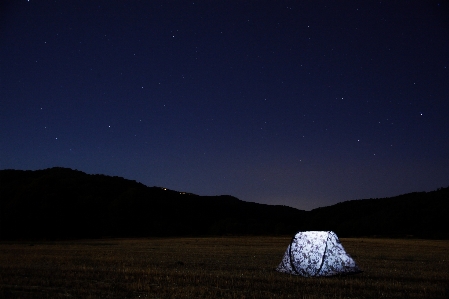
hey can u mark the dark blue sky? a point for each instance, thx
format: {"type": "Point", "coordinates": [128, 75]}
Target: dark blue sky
{"type": "Point", "coordinates": [300, 103]}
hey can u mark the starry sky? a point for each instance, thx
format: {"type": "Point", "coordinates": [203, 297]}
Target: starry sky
{"type": "Point", "coordinates": [297, 103]}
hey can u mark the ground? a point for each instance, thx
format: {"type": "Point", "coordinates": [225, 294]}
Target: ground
{"type": "Point", "coordinates": [228, 267]}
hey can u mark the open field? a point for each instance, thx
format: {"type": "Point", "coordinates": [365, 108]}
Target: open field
{"type": "Point", "coordinates": [230, 267]}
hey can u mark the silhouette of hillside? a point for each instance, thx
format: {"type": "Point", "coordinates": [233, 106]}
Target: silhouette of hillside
{"type": "Point", "coordinates": [65, 203]}
{"type": "Point", "coordinates": [417, 214]}
{"type": "Point", "coordinates": [60, 203]}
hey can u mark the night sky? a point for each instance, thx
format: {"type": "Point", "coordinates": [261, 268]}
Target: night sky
{"type": "Point", "coordinates": [298, 103]}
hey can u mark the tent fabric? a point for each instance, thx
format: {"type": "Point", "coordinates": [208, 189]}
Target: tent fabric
{"type": "Point", "coordinates": [316, 253]}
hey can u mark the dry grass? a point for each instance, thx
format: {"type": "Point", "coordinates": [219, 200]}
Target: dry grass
{"type": "Point", "coordinates": [241, 267]}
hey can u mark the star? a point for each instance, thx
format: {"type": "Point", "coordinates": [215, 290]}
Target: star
{"type": "Point", "coordinates": [248, 95]}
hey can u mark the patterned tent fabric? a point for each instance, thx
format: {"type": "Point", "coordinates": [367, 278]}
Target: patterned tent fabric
{"type": "Point", "coordinates": [316, 253]}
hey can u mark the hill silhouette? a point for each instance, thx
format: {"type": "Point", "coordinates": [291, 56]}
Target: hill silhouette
{"type": "Point", "coordinates": [417, 214]}
{"type": "Point", "coordinates": [61, 203]}
{"type": "Point", "coordinates": [65, 203]}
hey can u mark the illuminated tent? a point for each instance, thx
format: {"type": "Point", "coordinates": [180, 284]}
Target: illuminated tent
{"type": "Point", "coordinates": [316, 253]}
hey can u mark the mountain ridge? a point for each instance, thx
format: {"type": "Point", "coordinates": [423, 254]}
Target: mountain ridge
{"type": "Point", "coordinates": [58, 203]}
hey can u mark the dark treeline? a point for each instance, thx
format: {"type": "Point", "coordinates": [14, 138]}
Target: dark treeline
{"type": "Point", "coordinates": [61, 203]}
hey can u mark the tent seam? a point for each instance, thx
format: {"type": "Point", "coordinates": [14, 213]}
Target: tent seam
{"type": "Point", "coordinates": [290, 254]}
{"type": "Point", "coordinates": [324, 255]}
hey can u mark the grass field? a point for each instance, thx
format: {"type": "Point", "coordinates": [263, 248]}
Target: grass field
{"type": "Point", "coordinates": [230, 267]}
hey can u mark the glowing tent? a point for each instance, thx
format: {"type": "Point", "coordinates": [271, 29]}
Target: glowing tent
{"type": "Point", "coordinates": [316, 253]}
